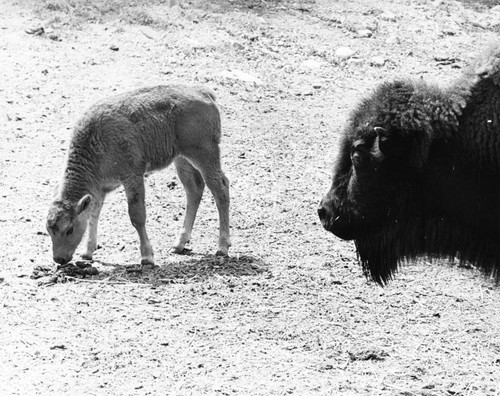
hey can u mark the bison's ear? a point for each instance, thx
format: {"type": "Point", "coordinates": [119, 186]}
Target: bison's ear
{"type": "Point", "coordinates": [413, 146]}
{"type": "Point", "coordinates": [83, 204]}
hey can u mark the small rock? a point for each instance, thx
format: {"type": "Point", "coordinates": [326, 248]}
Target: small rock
{"type": "Point", "coordinates": [305, 92]}
{"type": "Point", "coordinates": [54, 37]}
{"type": "Point", "coordinates": [317, 86]}
{"type": "Point", "coordinates": [58, 346]}
{"type": "Point", "coordinates": [311, 64]}
{"type": "Point", "coordinates": [377, 61]}
{"type": "Point", "coordinates": [364, 33]}
{"type": "Point", "coordinates": [344, 53]}
{"type": "Point", "coordinates": [114, 48]}
{"type": "Point", "coordinates": [392, 40]}
{"type": "Point", "coordinates": [363, 355]}
{"type": "Point", "coordinates": [449, 32]}
{"type": "Point", "coordinates": [388, 16]}
{"type": "Point", "coordinates": [355, 61]}
{"type": "Point", "coordinates": [37, 31]}
{"type": "Point", "coordinates": [237, 46]}
{"type": "Point", "coordinates": [240, 75]}
{"type": "Point", "coordinates": [48, 280]}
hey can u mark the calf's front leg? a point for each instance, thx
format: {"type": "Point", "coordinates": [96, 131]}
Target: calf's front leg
{"type": "Point", "coordinates": [134, 189]}
{"type": "Point", "coordinates": [92, 224]}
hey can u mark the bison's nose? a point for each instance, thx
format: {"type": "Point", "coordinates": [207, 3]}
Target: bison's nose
{"type": "Point", "coordinates": [60, 260]}
{"type": "Point", "coordinates": [322, 213]}
{"type": "Point", "coordinates": [324, 210]}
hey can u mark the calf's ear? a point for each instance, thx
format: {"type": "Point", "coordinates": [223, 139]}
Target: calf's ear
{"type": "Point", "coordinates": [83, 204]}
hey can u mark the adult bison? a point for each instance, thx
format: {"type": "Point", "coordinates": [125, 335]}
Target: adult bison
{"type": "Point", "coordinates": [418, 173]}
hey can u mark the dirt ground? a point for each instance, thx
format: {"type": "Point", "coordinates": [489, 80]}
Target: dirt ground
{"type": "Point", "coordinates": [289, 312]}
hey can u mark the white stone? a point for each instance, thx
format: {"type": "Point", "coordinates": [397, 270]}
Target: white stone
{"type": "Point", "coordinates": [392, 40]}
{"type": "Point", "coordinates": [355, 61]}
{"type": "Point", "coordinates": [388, 16]}
{"type": "Point", "coordinates": [364, 33]}
{"type": "Point", "coordinates": [378, 61]}
{"type": "Point", "coordinates": [241, 76]}
{"type": "Point", "coordinates": [344, 52]}
{"type": "Point", "coordinates": [311, 64]}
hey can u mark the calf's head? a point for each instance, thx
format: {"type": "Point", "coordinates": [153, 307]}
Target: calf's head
{"type": "Point", "coordinates": [375, 187]}
{"type": "Point", "coordinates": [66, 224]}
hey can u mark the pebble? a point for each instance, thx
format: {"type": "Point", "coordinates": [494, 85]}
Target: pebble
{"type": "Point", "coordinates": [355, 61]}
{"type": "Point", "coordinates": [240, 75]}
{"type": "Point", "coordinates": [311, 64]}
{"type": "Point", "coordinates": [364, 33]}
{"type": "Point", "coordinates": [344, 52]}
{"type": "Point", "coordinates": [392, 40]}
{"type": "Point", "coordinates": [54, 37]}
{"type": "Point", "coordinates": [388, 16]}
{"type": "Point", "coordinates": [237, 46]}
{"type": "Point", "coordinates": [377, 61]}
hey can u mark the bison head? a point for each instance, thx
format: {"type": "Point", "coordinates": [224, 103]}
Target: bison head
{"type": "Point", "coordinates": [377, 178]}
{"type": "Point", "coordinates": [66, 224]}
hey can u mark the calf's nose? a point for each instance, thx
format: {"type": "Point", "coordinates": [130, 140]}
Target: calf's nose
{"type": "Point", "coordinates": [61, 260]}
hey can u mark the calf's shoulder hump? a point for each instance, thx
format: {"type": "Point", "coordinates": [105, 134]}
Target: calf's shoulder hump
{"type": "Point", "coordinates": [149, 98]}
{"type": "Point", "coordinates": [175, 94]}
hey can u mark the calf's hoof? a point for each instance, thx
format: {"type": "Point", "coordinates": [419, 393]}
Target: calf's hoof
{"type": "Point", "coordinates": [148, 263]}
{"type": "Point", "coordinates": [221, 253]}
{"type": "Point", "coordinates": [177, 250]}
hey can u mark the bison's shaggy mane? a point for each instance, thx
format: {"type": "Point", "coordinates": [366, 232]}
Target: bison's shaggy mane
{"type": "Point", "coordinates": [383, 251]}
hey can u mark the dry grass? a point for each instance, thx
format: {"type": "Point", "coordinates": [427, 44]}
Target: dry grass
{"type": "Point", "coordinates": [289, 312]}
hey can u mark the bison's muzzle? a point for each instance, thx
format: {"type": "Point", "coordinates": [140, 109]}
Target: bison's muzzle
{"type": "Point", "coordinates": [333, 221]}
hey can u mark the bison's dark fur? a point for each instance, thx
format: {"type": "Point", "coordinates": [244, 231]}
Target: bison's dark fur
{"type": "Point", "coordinates": [418, 173]}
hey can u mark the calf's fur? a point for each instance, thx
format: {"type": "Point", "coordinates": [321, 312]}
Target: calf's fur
{"type": "Point", "coordinates": [117, 141]}
{"type": "Point", "coordinates": [418, 173]}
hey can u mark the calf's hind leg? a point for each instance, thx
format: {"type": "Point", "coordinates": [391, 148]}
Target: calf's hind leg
{"type": "Point", "coordinates": [207, 161]}
{"type": "Point", "coordinates": [193, 185]}
{"type": "Point", "coordinates": [134, 189]}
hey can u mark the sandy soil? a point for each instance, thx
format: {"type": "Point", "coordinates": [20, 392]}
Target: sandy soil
{"type": "Point", "coordinates": [290, 311]}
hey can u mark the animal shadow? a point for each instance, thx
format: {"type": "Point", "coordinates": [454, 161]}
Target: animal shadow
{"type": "Point", "coordinates": [187, 270]}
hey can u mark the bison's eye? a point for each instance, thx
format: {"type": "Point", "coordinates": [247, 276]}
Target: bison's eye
{"type": "Point", "coordinates": [69, 231]}
{"type": "Point", "coordinates": [360, 157]}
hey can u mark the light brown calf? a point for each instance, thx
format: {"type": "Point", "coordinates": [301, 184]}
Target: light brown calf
{"type": "Point", "coordinates": [121, 138]}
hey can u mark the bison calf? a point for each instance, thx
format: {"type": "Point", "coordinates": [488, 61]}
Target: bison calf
{"type": "Point", "coordinates": [117, 141]}
{"type": "Point", "coordinates": [418, 173]}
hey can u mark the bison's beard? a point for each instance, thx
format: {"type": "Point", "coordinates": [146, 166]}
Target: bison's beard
{"type": "Point", "coordinates": [381, 251]}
